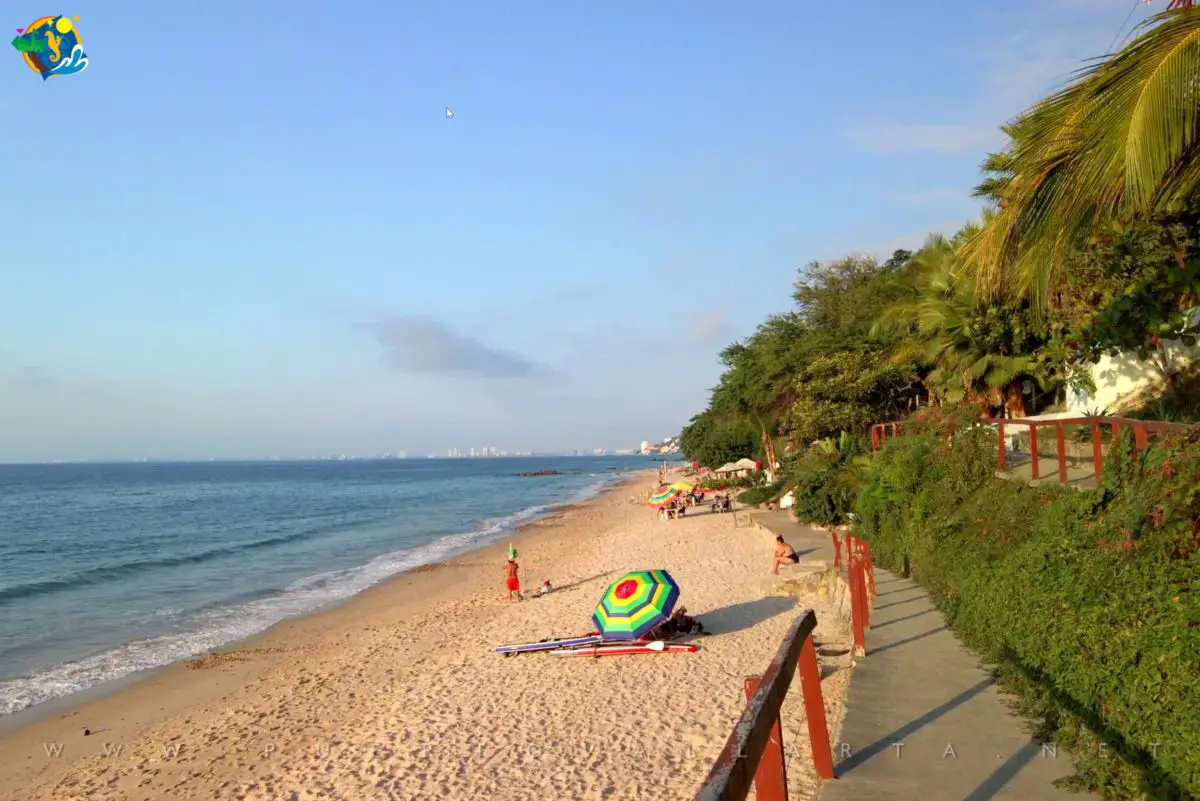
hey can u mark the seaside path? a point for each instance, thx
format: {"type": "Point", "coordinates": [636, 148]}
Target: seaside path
{"type": "Point", "coordinates": [919, 686]}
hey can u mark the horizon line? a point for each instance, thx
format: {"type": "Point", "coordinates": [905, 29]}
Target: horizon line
{"type": "Point", "coordinates": [377, 458]}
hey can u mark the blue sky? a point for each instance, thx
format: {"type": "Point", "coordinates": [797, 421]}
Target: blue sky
{"type": "Point", "coordinates": [254, 232]}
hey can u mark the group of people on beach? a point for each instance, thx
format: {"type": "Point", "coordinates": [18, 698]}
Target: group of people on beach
{"type": "Point", "coordinates": [785, 554]}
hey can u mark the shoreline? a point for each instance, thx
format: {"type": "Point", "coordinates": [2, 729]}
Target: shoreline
{"type": "Point", "coordinates": [99, 701]}
{"type": "Point", "coordinates": [396, 692]}
{"type": "Point", "coordinates": [14, 721]}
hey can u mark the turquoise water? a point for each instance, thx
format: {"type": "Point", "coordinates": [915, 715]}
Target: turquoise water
{"type": "Point", "coordinates": [110, 569]}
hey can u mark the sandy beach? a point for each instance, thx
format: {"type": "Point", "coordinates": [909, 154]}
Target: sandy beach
{"type": "Point", "coordinates": [397, 693]}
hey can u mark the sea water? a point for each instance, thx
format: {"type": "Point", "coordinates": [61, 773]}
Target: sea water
{"type": "Point", "coordinates": [108, 569]}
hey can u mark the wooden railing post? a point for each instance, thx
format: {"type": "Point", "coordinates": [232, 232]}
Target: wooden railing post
{"type": "Point", "coordinates": [1033, 452]}
{"type": "Point", "coordinates": [1097, 453]}
{"type": "Point", "coordinates": [857, 620]}
{"type": "Point", "coordinates": [770, 779]}
{"type": "Point", "coordinates": [870, 566]}
{"type": "Point", "coordinates": [866, 595]}
{"type": "Point", "coordinates": [1139, 436]}
{"type": "Point", "coordinates": [736, 769]}
{"type": "Point", "coordinates": [1060, 437]}
{"type": "Point", "coordinates": [1003, 453]}
{"type": "Point", "coordinates": [814, 710]}
{"type": "Point", "coordinates": [874, 438]}
{"type": "Point", "coordinates": [837, 547]}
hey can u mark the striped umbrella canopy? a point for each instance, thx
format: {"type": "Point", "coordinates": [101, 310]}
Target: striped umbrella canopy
{"type": "Point", "coordinates": [635, 603]}
{"type": "Point", "coordinates": [662, 496]}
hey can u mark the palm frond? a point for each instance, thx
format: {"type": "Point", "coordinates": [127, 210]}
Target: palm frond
{"type": "Point", "coordinates": [1121, 140]}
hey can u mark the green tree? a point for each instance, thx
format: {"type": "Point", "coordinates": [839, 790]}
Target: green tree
{"type": "Point", "coordinates": [848, 379]}
{"type": "Point", "coordinates": [1129, 292]}
{"type": "Point", "coordinates": [757, 385]}
{"type": "Point", "coordinates": [712, 441]}
{"type": "Point", "coordinates": [848, 390]}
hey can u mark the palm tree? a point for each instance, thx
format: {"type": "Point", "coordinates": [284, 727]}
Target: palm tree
{"type": "Point", "coordinates": [1120, 142]}
{"type": "Point", "coordinates": [980, 350]}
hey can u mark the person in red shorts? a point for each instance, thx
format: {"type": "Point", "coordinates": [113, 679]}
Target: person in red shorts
{"type": "Point", "coordinates": [513, 583]}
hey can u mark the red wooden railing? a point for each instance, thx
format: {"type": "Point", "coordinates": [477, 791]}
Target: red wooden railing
{"type": "Point", "coordinates": [880, 431]}
{"type": "Point", "coordinates": [1142, 429]}
{"type": "Point", "coordinates": [753, 754]}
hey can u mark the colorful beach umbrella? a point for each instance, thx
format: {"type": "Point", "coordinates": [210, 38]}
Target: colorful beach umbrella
{"type": "Point", "coordinates": [663, 495]}
{"type": "Point", "coordinates": [635, 603]}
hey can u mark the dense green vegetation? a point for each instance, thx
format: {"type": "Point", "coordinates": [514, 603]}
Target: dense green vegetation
{"type": "Point", "coordinates": [1089, 244]}
{"type": "Point", "coordinates": [1087, 601]}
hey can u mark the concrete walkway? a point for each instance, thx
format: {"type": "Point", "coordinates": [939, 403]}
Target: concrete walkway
{"type": "Point", "coordinates": [923, 718]}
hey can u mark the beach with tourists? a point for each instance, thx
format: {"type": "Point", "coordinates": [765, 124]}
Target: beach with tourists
{"type": "Point", "coordinates": [789, 401]}
{"type": "Point", "coordinates": [398, 692]}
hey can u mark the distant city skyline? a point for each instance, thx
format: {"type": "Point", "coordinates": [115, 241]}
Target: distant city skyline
{"type": "Point", "coordinates": [624, 452]}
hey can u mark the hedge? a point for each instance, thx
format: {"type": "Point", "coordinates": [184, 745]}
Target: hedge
{"type": "Point", "coordinates": [1087, 602]}
{"type": "Point", "coordinates": [757, 495]}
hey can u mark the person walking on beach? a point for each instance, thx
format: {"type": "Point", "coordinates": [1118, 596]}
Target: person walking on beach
{"type": "Point", "coordinates": [511, 581]}
{"type": "Point", "coordinates": [784, 554]}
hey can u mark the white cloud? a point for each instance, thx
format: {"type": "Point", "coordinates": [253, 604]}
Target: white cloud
{"type": "Point", "coordinates": [709, 327]}
{"type": "Point", "coordinates": [1026, 53]}
{"type": "Point", "coordinates": [418, 343]}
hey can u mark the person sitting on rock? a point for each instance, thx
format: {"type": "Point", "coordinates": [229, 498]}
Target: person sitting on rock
{"type": "Point", "coordinates": [784, 554]}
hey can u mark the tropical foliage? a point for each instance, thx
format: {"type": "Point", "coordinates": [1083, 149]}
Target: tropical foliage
{"type": "Point", "coordinates": [1085, 601]}
{"type": "Point", "coordinates": [1117, 144]}
{"type": "Point", "coordinates": [1088, 245]}
{"type": "Point", "coordinates": [976, 349]}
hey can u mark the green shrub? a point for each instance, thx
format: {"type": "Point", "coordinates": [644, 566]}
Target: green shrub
{"type": "Point", "coordinates": [1087, 602]}
{"type": "Point", "coordinates": [757, 495]}
{"type": "Point", "coordinates": [827, 478]}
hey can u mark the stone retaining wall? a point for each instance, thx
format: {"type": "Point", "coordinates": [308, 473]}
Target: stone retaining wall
{"type": "Point", "coordinates": [814, 577]}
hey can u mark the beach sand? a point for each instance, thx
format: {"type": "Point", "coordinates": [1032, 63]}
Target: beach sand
{"type": "Point", "coordinates": [397, 693]}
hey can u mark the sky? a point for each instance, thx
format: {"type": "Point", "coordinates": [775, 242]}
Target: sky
{"type": "Point", "coordinates": [249, 229]}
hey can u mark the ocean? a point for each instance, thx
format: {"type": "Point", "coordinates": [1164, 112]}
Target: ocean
{"type": "Point", "coordinates": [108, 569]}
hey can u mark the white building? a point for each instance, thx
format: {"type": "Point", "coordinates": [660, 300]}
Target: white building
{"type": "Point", "coordinates": [1122, 378]}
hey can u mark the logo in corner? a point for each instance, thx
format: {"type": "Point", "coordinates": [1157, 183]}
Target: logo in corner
{"type": "Point", "coordinates": [52, 46]}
